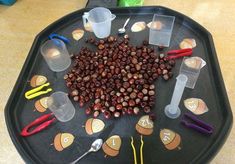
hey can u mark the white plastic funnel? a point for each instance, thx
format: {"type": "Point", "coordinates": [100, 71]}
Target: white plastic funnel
{"type": "Point", "coordinates": [172, 110]}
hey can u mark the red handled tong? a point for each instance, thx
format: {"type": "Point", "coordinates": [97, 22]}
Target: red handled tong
{"type": "Point", "coordinates": [43, 121]}
{"type": "Point", "coordinates": [173, 54]}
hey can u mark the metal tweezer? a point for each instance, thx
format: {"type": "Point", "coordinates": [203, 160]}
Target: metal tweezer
{"type": "Point", "coordinates": [196, 124]}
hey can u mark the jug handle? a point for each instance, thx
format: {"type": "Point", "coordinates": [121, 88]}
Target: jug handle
{"type": "Point", "coordinates": [85, 18]}
{"type": "Point", "coordinates": [113, 17]}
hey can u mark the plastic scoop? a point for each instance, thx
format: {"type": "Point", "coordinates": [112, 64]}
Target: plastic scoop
{"type": "Point", "coordinates": [172, 110]}
{"type": "Point", "coordinates": [123, 30]}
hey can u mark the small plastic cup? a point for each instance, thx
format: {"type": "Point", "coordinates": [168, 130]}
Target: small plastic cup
{"type": "Point", "coordinates": [100, 19]}
{"type": "Point", "coordinates": [56, 55]}
{"type": "Point", "coordinates": [191, 73]}
{"type": "Point", "coordinates": [61, 106]}
{"type": "Point", "coordinates": [161, 30]}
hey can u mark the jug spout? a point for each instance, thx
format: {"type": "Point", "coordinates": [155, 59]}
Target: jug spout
{"type": "Point", "coordinates": [113, 17]}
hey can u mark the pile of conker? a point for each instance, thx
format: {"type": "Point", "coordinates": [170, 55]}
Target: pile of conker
{"type": "Point", "coordinates": [117, 78]}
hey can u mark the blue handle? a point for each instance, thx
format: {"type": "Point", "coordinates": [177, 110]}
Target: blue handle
{"type": "Point", "coordinates": [64, 39]}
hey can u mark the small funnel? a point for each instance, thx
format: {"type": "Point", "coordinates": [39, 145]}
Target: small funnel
{"type": "Point", "coordinates": [172, 110]}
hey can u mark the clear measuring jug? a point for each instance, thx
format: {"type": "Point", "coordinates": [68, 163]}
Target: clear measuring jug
{"type": "Point", "coordinates": [100, 20]}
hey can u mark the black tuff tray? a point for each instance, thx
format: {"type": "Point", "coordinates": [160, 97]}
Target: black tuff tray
{"type": "Point", "coordinates": [195, 147]}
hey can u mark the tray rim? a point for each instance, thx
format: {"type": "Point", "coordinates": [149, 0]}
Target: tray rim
{"type": "Point", "coordinates": [205, 158]}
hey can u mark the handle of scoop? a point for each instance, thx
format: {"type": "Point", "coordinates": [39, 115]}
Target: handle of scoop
{"type": "Point", "coordinates": [74, 162]}
{"type": "Point", "coordinates": [126, 22]}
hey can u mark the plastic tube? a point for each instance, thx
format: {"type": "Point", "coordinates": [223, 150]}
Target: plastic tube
{"type": "Point", "coordinates": [172, 110]}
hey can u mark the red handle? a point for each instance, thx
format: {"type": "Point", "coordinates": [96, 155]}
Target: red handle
{"type": "Point", "coordinates": [179, 51]}
{"type": "Point", "coordinates": [25, 132]}
{"type": "Point", "coordinates": [180, 55]}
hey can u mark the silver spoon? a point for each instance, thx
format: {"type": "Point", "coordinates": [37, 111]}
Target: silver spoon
{"type": "Point", "coordinates": [123, 30]}
{"type": "Point", "coordinates": [95, 146]}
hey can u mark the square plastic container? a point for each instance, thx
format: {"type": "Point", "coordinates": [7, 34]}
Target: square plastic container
{"type": "Point", "coordinates": [191, 73]}
{"type": "Point", "coordinates": [161, 30]}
